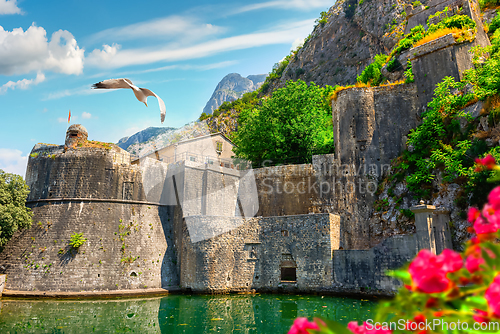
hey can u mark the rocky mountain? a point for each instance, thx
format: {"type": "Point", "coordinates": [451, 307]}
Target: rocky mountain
{"type": "Point", "coordinates": [232, 87]}
{"type": "Point", "coordinates": [142, 136]}
{"type": "Point", "coordinates": [147, 141]}
{"type": "Point", "coordinates": [338, 50]}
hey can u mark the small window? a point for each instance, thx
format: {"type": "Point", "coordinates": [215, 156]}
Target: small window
{"type": "Point", "coordinates": [192, 158]}
{"type": "Point", "coordinates": [289, 274]}
{"type": "Point", "coordinates": [210, 162]}
{"type": "Point", "coordinates": [218, 147]}
{"type": "Point", "coordinates": [227, 165]}
{"type": "Point", "coordinates": [284, 233]}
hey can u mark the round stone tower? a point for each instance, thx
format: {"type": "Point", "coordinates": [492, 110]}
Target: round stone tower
{"type": "Point", "coordinates": [92, 190]}
{"type": "Point", "coordinates": [76, 134]}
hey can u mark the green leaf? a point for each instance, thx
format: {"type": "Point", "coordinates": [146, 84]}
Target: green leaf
{"type": "Point", "coordinates": [403, 274]}
{"type": "Point", "coordinates": [332, 327]}
{"type": "Point", "coordinates": [478, 302]}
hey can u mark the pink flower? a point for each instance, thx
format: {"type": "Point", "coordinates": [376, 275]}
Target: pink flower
{"type": "Point", "coordinates": [473, 262]}
{"type": "Point", "coordinates": [481, 316]}
{"type": "Point", "coordinates": [473, 214]}
{"type": "Point", "coordinates": [492, 295]}
{"type": "Point", "coordinates": [482, 226]}
{"type": "Point", "coordinates": [494, 198]}
{"type": "Point", "coordinates": [487, 162]}
{"type": "Point", "coordinates": [363, 329]}
{"type": "Point", "coordinates": [475, 258]}
{"type": "Point", "coordinates": [429, 271]}
{"type": "Point", "coordinates": [491, 214]}
{"type": "Point", "coordinates": [301, 325]}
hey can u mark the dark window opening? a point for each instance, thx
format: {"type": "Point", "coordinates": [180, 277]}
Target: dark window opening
{"type": "Point", "coordinates": [73, 134]}
{"type": "Point", "coordinates": [288, 274]}
{"type": "Point", "coordinates": [284, 233]}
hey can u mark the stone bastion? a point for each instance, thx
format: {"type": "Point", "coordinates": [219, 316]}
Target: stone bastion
{"type": "Point", "coordinates": [95, 191]}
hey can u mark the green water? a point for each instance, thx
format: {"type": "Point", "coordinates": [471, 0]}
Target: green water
{"type": "Point", "coordinates": [176, 314]}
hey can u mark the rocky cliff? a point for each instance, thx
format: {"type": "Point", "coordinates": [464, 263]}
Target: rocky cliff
{"type": "Point", "coordinates": [142, 136]}
{"type": "Point", "coordinates": [232, 87]}
{"type": "Point", "coordinates": [152, 139]}
{"type": "Point", "coordinates": [338, 50]}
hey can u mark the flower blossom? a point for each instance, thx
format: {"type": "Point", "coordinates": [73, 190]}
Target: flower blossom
{"type": "Point", "coordinates": [363, 329]}
{"type": "Point", "coordinates": [492, 295]}
{"type": "Point", "coordinates": [482, 226]}
{"type": "Point", "coordinates": [473, 214]}
{"type": "Point", "coordinates": [428, 271]}
{"type": "Point", "coordinates": [301, 325]}
{"type": "Point", "coordinates": [487, 162]}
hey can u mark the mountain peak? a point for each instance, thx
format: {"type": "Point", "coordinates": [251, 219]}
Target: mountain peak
{"type": "Point", "coordinates": [232, 87]}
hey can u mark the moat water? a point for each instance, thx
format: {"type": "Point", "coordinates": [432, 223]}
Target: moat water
{"type": "Point", "coordinates": [195, 314]}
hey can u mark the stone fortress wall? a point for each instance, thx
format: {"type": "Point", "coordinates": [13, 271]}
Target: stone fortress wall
{"type": "Point", "coordinates": [214, 229]}
{"type": "Point", "coordinates": [268, 254]}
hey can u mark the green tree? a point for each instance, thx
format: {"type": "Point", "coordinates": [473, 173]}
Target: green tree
{"type": "Point", "coordinates": [14, 215]}
{"type": "Point", "coordinates": [294, 123]}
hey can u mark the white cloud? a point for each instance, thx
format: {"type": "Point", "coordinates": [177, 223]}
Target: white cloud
{"type": "Point", "coordinates": [25, 51]}
{"type": "Point", "coordinates": [298, 42]}
{"type": "Point", "coordinates": [9, 7]}
{"type": "Point", "coordinates": [281, 35]}
{"type": "Point", "coordinates": [22, 84]}
{"type": "Point", "coordinates": [82, 90]}
{"type": "Point", "coordinates": [181, 28]}
{"type": "Point", "coordinates": [86, 115]}
{"type": "Point", "coordinates": [206, 67]}
{"type": "Point", "coordinates": [106, 54]}
{"type": "Point", "coordinates": [13, 161]}
{"type": "Point", "coordinates": [287, 4]}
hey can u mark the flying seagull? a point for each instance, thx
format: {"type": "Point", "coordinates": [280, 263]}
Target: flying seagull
{"type": "Point", "coordinates": [140, 93]}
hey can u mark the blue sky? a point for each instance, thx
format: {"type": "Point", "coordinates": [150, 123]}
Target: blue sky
{"type": "Point", "coordinates": [51, 52]}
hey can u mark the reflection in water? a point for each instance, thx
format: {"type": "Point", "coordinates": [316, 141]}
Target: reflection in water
{"type": "Point", "coordinates": [176, 314]}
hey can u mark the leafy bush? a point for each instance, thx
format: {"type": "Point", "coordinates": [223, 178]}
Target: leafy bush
{"type": "Point", "coordinates": [350, 8]}
{"type": "Point", "coordinates": [77, 240]}
{"type": "Point", "coordinates": [489, 3]}
{"type": "Point", "coordinates": [393, 65]}
{"type": "Point", "coordinates": [409, 78]}
{"type": "Point", "coordinates": [295, 122]}
{"type": "Point", "coordinates": [14, 215]}
{"type": "Point", "coordinates": [371, 74]}
{"type": "Point", "coordinates": [494, 25]}
{"type": "Point", "coordinates": [416, 3]}
{"type": "Point", "coordinates": [323, 19]}
{"type": "Point", "coordinates": [440, 143]}
{"type": "Point", "coordinates": [203, 116]}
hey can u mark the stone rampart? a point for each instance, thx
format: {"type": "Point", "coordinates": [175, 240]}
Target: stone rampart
{"type": "Point", "coordinates": [128, 247]}
{"type": "Point", "coordinates": [267, 254]}
{"type": "Point", "coordinates": [286, 190]}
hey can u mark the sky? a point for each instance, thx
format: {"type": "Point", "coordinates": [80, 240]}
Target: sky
{"type": "Point", "coordinates": [51, 52]}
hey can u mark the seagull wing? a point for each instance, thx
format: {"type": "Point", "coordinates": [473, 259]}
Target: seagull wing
{"type": "Point", "coordinates": [163, 109]}
{"type": "Point", "coordinates": [114, 83]}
